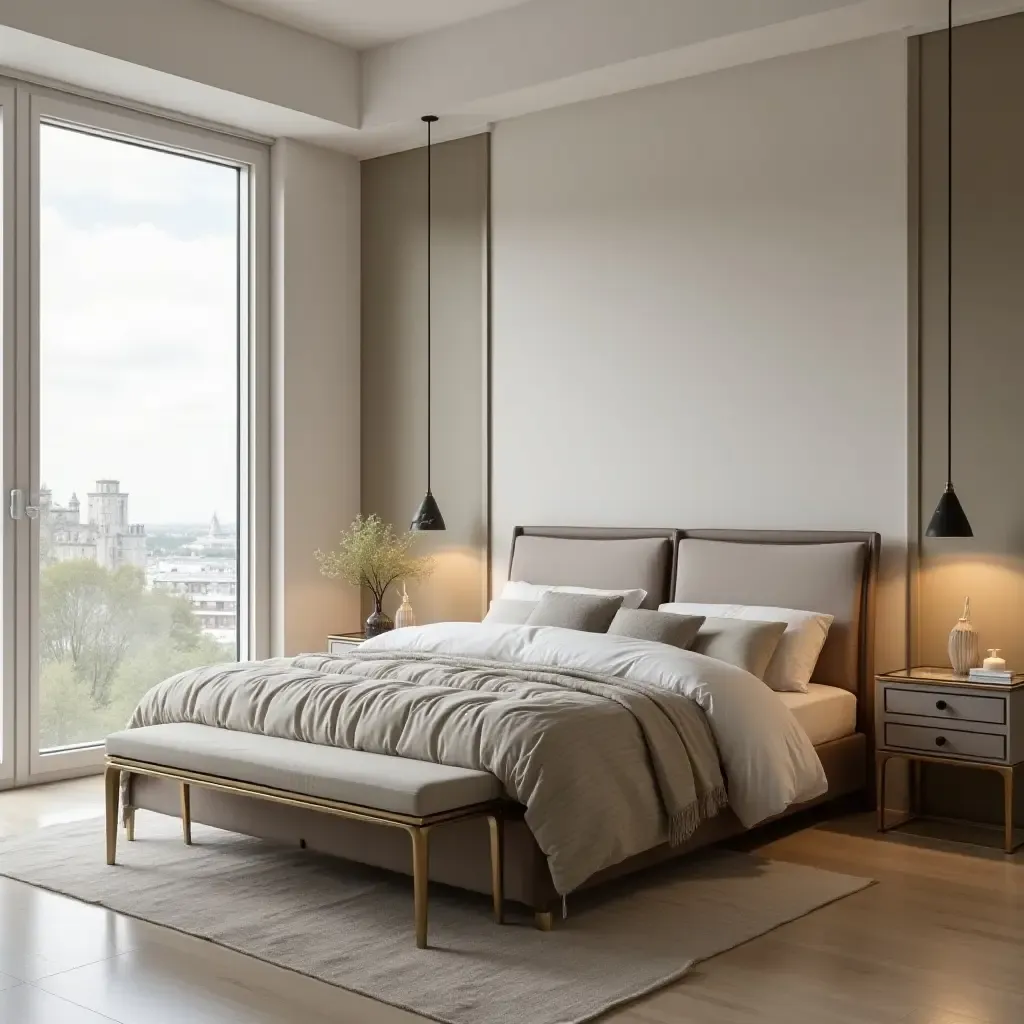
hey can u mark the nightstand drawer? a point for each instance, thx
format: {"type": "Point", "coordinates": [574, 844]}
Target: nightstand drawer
{"type": "Point", "coordinates": [901, 700]}
{"type": "Point", "coordinates": [945, 742]}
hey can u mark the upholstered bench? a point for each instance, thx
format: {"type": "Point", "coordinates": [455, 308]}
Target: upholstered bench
{"type": "Point", "coordinates": [398, 792]}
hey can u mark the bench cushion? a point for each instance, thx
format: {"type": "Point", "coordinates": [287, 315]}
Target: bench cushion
{"type": "Point", "coordinates": [397, 784]}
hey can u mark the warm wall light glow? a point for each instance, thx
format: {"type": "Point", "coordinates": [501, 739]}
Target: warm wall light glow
{"type": "Point", "coordinates": [454, 592]}
{"type": "Point", "coordinates": [995, 585]}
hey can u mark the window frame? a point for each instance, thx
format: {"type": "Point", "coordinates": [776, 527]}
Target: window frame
{"type": "Point", "coordinates": [8, 391]}
{"type": "Point", "coordinates": [33, 106]}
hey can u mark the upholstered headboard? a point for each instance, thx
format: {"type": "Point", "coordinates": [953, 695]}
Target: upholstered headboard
{"type": "Point", "coordinates": [832, 572]}
{"type": "Point", "coordinates": [608, 559]}
{"type": "Point", "coordinates": [821, 572]}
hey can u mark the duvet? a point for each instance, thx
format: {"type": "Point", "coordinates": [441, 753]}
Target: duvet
{"type": "Point", "coordinates": [613, 745]}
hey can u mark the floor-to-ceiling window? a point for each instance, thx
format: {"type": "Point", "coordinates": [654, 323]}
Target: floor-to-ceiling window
{"type": "Point", "coordinates": [131, 324]}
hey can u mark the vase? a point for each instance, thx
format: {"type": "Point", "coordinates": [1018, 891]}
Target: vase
{"type": "Point", "coordinates": [378, 622]}
{"type": "Point", "coordinates": [964, 647]}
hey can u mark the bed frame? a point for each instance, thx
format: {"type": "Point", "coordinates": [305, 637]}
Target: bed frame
{"type": "Point", "coordinates": [833, 572]}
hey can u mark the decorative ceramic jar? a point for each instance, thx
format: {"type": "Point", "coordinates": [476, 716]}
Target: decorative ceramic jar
{"type": "Point", "coordinates": [964, 648]}
{"type": "Point", "coordinates": [405, 615]}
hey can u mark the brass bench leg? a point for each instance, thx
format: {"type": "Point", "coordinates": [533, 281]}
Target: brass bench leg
{"type": "Point", "coordinates": [129, 825]}
{"type": "Point", "coordinates": [112, 787]}
{"type": "Point", "coordinates": [186, 813]}
{"type": "Point", "coordinates": [420, 880]}
{"type": "Point", "coordinates": [543, 920]}
{"type": "Point", "coordinates": [497, 825]}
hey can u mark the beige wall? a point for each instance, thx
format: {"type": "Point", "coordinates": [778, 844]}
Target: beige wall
{"type": "Point", "coordinates": [700, 307]}
{"type": "Point", "coordinates": [988, 339]}
{"type": "Point", "coordinates": [394, 411]}
{"type": "Point", "coordinates": [315, 404]}
{"type": "Point", "coordinates": [988, 362]}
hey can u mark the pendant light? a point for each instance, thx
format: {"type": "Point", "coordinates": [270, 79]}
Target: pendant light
{"type": "Point", "coordinates": [949, 518]}
{"type": "Point", "coordinates": [428, 515]}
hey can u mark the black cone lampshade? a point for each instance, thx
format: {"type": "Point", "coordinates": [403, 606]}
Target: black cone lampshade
{"type": "Point", "coordinates": [428, 515]}
{"type": "Point", "coordinates": [949, 518]}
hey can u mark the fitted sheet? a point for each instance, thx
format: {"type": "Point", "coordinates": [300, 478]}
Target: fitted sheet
{"type": "Point", "coordinates": [825, 713]}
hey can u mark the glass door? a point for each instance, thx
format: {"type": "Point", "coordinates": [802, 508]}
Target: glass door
{"type": "Point", "coordinates": [8, 451]}
{"type": "Point", "coordinates": [136, 517]}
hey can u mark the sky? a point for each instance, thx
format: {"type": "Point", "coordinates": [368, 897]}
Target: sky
{"type": "Point", "coordinates": [138, 326]}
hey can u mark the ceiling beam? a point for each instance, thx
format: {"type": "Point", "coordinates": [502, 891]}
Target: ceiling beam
{"type": "Point", "coordinates": [184, 50]}
{"type": "Point", "coordinates": [208, 61]}
{"type": "Point", "coordinates": [551, 52]}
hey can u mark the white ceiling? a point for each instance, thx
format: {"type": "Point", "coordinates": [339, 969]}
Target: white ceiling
{"type": "Point", "coordinates": [275, 81]}
{"type": "Point", "coordinates": [366, 23]}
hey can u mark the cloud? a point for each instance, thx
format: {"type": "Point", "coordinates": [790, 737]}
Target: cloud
{"type": "Point", "coordinates": [76, 165]}
{"type": "Point", "coordinates": [138, 326]}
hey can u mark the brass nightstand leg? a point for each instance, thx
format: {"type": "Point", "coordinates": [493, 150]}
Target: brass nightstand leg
{"type": "Point", "coordinates": [881, 761]}
{"type": "Point", "coordinates": [1007, 774]}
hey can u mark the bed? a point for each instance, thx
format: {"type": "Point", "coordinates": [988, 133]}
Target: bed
{"type": "Point", "coordinates": [829, 572]}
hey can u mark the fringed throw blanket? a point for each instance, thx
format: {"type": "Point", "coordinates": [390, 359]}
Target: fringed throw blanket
{"type": "Point", "coordinates": [606, 767]}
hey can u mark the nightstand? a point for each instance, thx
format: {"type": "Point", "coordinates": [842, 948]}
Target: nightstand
{"type": "Point", "coordinates": [342, 643]}
{"type": "Point", "coordinates": [933, 716]}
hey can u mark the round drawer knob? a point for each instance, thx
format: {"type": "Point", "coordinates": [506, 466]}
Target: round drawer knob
{"type": "Point", "coordinates": [941, 705]}
{"type": "Point", "coordinates": [940, 741]}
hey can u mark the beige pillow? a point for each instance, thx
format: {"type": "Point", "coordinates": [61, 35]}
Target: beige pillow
{"type": "Point", "coordinates": [508, 612]}
{"type": "Point", "coordinates": [586, 612]}
{"type": "Point", "coordinates": [746, 643]}
{"type": "Point", "coordinates": [661, 627]}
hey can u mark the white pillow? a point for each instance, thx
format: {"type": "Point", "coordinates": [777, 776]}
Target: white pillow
{"type": "Point", "coordinates": [793, 662]}
{"type": "Point", "coordinates": [508, 612]}
{"type": "Point", "coordinates": [517, 591]}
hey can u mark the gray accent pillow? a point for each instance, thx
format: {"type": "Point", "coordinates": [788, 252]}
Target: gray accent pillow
{"type": "Point", "coordinates": [746, 643]}
{"type": "Point", "coordinates": [586, 612]}
{"type": "Point", "coordinates": [661, 627]}
{"type": "Point", "coordinates": [509, 612]}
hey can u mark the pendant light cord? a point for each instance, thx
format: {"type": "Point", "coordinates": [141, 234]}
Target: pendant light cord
{"type": "Point", "coordinates": [429, 290]}
{"type": "Point", "coordinates": [949, 258]}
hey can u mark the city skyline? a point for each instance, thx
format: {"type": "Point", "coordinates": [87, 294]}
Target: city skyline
{"type": "Point", "coordinates": [198, 563]}
{"type": "Point", "coordinates": [63, 499]}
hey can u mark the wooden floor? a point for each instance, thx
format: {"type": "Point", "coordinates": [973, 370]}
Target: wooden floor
{"type": "Point", "coordinates": [940, 940]}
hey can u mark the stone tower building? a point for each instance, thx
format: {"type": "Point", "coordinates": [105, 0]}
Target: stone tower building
{"type": "Point", "coordinates": [107, 538]}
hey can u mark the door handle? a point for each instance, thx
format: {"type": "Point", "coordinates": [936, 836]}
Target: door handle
{"type": "Point", "coordinates": [18, 508]}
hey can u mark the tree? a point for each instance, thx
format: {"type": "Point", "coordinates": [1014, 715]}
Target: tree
{"type": "Point", "coordinates": [86, 615]}
{"type": "Point", "coordinates": [104, 641]}
{"type": "Point", "coordinates": [67, 713]}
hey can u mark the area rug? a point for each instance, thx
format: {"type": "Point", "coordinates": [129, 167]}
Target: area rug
{"type": "Point", "coordinates": [352, 926]}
